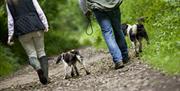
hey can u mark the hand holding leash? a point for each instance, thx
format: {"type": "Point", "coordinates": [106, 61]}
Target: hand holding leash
{"type": "Point", "coordinates": [88, 14]}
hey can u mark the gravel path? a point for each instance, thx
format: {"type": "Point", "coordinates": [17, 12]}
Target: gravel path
{"type": "Point", "coordinates": [135, 76]}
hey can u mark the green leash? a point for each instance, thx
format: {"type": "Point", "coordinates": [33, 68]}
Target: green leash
{"type": "Point", "coordinates": [90, 23]}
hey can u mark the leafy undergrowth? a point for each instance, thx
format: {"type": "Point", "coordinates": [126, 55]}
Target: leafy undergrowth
{"type": "Point", "coordinates": [162, 25]}
{"type": "Point", "coordinates": [8, 62]}
{"type": "Point", "coordinates": [60, 41]}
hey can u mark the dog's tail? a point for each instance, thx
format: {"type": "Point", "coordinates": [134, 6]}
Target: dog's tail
{"type": "Point", "coordinates": [142, 19]}
{"type": "Point", "coordinates": [59, 58]}
{"type": "Point", "coordinates": [57, 61]}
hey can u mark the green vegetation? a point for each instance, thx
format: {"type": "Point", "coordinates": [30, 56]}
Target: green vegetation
{"type": "Point", "coordinates": [162, 25]}
{"type": "Point", "coordinates": [163, 28]}
{"type": "Point", "coordinates": [57, 42]}
{"type": "Point", "coordinates": [8, 62]}
{"type": "Point", "coordinates": [67, 31]}
{"type": "Point", "coordinates": [65, 20]}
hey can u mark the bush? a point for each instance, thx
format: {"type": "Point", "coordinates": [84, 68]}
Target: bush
{"type": "Point", "coordinates": [65, 22]}
{"type": "Point", "coordinates": [163, 28]}
{"type": "Point", "coordinates": [9, 62]}
{"type": "Point", "coordinates": [60, 41]}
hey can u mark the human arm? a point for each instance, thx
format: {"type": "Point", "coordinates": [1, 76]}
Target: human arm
{"type": "Point", "coordinates": [10, 26]}
{"type": "Point", "coordinates": [41, 14]}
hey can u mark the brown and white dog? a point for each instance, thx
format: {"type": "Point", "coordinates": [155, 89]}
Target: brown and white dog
{"type": "Point", "coordinates": [136, 33]}
{"type": "Point", "coordinates": [70, 60]}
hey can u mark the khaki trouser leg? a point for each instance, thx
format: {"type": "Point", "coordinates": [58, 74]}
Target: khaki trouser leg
{"type": "Point", "coordinates": [33, 43]}
{"type": "Point", "coordinates": [38, 38]}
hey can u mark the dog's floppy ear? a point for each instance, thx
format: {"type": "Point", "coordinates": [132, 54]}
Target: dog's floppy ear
{"type": "Point", "coordinates": [59, 58]}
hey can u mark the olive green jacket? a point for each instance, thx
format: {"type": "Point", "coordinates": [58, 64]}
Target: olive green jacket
{"type": "Point", "coordinates": [104, 5]}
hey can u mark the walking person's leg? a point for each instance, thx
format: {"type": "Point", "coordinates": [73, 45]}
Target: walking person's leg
{"type": "Point", "coordinates": [119, 36]}
{"type": "Point", "coordinates": [38, 38]}
{"type": "Point", "coordinates": [28, 44]}
{"type": "Point", "coordinates": [107, 32]}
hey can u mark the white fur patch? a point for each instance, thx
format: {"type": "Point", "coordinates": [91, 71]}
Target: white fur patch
{"type": "Point", "coordinates": [79, 57]}
{"type": "Point", "coordinates": [128, 29]}
{"type": "Point", "coordinates": [134, 29]}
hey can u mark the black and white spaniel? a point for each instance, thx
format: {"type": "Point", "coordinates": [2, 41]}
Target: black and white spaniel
{"type": "Point", "coordinates": [136, 33]}
{"type": "Point", "coordinates": [70, 60]}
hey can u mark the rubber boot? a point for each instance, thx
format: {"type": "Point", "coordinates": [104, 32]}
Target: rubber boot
{"type": "Point", "coordinates": [33, 61]}
{"type": "Point", "coordinates": [44, 65]}
{"type": "Point", "coordinates": [42, 78]}
{"type": "Point", "coordinates": [36, 65]}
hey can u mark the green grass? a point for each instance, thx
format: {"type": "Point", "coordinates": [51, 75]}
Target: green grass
{"type": "Point", "coordinates": [162, 26]}
{"type": "Point", "coordinates": [164, 52]}
{"type": "Point", "coordinates": [8, 62]}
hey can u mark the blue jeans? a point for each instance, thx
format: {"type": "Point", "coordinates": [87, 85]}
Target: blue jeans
{"type": "Point", "coordinates": [109, 22]}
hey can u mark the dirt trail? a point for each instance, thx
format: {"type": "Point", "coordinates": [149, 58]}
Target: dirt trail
{"type": "Point", "coordinates": [135, 76]}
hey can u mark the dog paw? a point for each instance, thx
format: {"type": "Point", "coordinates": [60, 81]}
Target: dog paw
{"type": "Point", "coordinates": [88, 73]}
{"type": "Point", "coordinates": [77, 74]}
{"type": "Point", "coordinates": [137, 54]}
{"type": "Point", "coordinates": [72, 74]}
{"type": "Point", "coordinates": [140, 51]}
{"type": "Point", "coordinates": [66, 77]}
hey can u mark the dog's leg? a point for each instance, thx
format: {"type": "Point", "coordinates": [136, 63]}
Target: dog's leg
{"type": "Point", "coordinates": [65, 70]}
{"type": "Point", "coordinates": [133, 43]}
{"type": "Point", "coordinates": [140, 45]}
{"type": "Point", "coordinates": [132, 36]}
{"type": "Point", "coordinates": [76, 70]}
{"type": "Point", "coordinates": [83, 64]}
{"type": "Point", "coordinates": [136, 44]}
{"type": "Point", "coordinates": [146, 37]}
{"type": "Point", "coordinates": [72, 71]}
